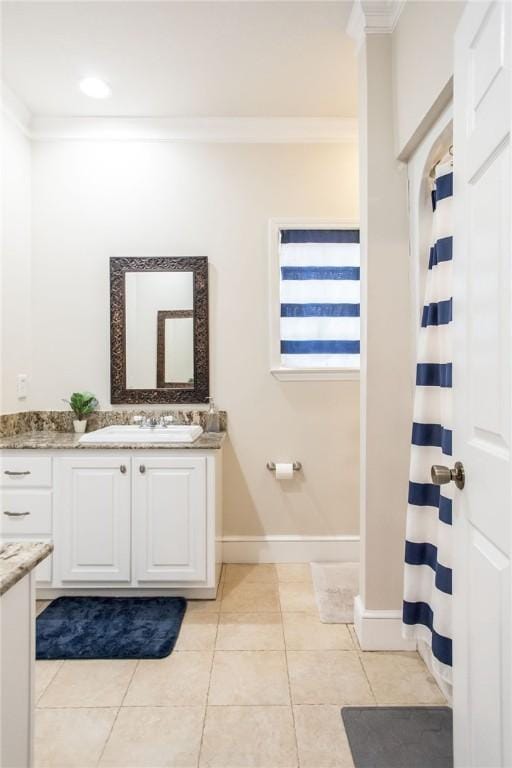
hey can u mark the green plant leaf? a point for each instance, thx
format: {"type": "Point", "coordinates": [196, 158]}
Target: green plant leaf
{"type": "Point", "coordinates": [82, 404]}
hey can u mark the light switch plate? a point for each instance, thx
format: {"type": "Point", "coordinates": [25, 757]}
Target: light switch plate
{"type": "Point", "coordinates": [22, 386]}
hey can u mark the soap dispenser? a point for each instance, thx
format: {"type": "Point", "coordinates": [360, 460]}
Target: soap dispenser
{"type": "Point", "coordinates": [212, 418]}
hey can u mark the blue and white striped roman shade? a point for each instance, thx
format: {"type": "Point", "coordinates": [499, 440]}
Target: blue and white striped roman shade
{"type": "Point", "coordinates": [320, 298]}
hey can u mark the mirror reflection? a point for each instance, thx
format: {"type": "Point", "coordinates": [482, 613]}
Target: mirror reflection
{"type": "Point", "coordinates": [159, 330]}
{"type": "Point", "coordinates": [175, 349]}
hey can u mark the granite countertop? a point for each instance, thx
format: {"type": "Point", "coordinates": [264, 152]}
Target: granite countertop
{"type": "Point", "coordinates": [61, 440]}
{"type": "Point", "coordinates": [17, 558]}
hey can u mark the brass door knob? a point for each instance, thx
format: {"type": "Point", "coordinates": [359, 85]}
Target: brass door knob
{"type": "Point", "coordinates": [442, 475]}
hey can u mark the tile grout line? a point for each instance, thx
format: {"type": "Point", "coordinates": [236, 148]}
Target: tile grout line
{"type": "Point", "coordinates": [125, 706]}
{"type": "Point", "coordinates": [288, 678]}
{"type": "Point", "coordinates": [50, 681]}
{"type": "Point", "coordinates": [289, 681]}
{"type": "Point", "coordinates": [221, 589]}
{"type": "Point", "coordinates": [276, 585]}
{"type": "Point", "coordinates": [108, 735]}
{"type": "Point", "coordinates": [370, 686]}
{"type": "Point", "coordinates": [360, 652]}
{"type": "Point", "coordinates": [117, 713]}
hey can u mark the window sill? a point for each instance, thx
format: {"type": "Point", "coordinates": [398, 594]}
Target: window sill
{"type": "Point", "coordinates": [315, 374]}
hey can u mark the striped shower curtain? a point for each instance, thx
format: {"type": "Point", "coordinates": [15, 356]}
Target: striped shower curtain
{"type": "Point", "coordinates": [427, 610]}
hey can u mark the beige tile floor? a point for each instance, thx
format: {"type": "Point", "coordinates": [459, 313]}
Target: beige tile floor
{"type": "Point", "coordinates": [255, 681]}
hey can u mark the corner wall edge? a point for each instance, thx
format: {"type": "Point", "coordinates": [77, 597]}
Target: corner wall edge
{"type": "Point", "coordinates": [379, 630]}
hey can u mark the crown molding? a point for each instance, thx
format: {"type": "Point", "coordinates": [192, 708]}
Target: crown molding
{"type": "Point", "coordinates": [234, 130]}
{"type": "Point", "coordinates": [243, 130]}
{"type": "Point", "coordinates": [373, 17]}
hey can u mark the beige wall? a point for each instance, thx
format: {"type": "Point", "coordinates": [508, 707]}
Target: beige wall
{"type": "Point", "coordinates": [93, 200]}
{"type": "Point", "coordinates": [422, 67]}
{"type": "Point", "coordinates": [15, 263]}
{"type": "Point", "coordinates": [386, 388]}
{"type": "Point", "coordinates": [405, 81]}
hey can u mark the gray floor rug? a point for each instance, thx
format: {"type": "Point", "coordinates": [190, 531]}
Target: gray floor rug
{"type": "Point", "coordinates": [336, 585]}
{"type": "Point", "coordinates": [399, 737]}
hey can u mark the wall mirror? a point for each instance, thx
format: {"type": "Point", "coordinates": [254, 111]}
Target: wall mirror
{"type": "Point", "coordinates": [159, 330]}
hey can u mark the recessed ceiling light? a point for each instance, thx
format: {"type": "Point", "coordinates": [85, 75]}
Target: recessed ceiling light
{"type": "Point", "coordinates": [95, 88]}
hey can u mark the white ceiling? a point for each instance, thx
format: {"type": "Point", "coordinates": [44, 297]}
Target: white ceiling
{"type": "Point", "coordinates": [194, 59]}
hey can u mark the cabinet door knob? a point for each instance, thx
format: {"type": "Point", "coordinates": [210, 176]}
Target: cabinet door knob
{"type": "Point", "coordinates": [142, 469]}
{"type": "Point", "coordinates": [123, 469]}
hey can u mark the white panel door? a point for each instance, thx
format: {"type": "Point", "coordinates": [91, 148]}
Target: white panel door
{"type": "Point", "coordinates": [92, 509]}
{"type": "Point", "coordinates": [482, 386]}
{"type": "Point", "coordinates": [170, 518]}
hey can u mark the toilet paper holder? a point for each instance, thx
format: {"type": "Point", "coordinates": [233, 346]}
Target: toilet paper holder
{"type": "Point", "coordinates": [297, 466]}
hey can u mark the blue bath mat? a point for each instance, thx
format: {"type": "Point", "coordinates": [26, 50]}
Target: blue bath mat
{"type": "Point", "coordinates": [109, 627]}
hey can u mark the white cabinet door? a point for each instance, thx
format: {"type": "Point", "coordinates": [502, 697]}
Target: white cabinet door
{"type": "Point", "coordinates": [92, 507]}
{"type": "Point", "coordinates": [170, 518]}
{"type": "Point", "coordinates": [482, 376]}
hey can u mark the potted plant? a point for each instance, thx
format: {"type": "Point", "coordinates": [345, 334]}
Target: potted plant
{"type": "Point", "coordinates": [82, 404]}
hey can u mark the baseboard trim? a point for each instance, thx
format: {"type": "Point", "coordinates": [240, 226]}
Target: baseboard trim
{"type": "Point", "coordinates": [191, 593]}
{"type": "Point", "coordinates": [289, 549]}
{"type": "Point", "coordinates": [379, 630]}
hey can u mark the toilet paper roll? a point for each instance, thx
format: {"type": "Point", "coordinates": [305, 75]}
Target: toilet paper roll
{"type": "Point", "coordinates": [284, 471]}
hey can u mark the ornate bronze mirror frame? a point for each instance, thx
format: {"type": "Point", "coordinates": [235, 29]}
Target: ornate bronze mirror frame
{"type": "Point", "coordinates": [198, 390]}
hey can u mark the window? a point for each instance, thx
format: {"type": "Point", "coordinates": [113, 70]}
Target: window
{"type": "Point", "coordinates": [316, 303]}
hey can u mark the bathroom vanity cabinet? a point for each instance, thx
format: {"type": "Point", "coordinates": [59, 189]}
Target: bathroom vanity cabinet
{"type": "Point", "coordinates": [124, 520]}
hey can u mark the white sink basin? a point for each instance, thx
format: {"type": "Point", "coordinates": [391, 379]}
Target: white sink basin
{"type": "Point", "coordinates": [176, 433]}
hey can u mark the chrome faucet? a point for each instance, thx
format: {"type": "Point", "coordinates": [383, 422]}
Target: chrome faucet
{"type": "Point", "coordinates": [150, 422]}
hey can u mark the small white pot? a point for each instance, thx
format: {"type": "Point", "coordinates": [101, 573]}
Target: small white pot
{"type": "Point", "coordinates": [80, 425]}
